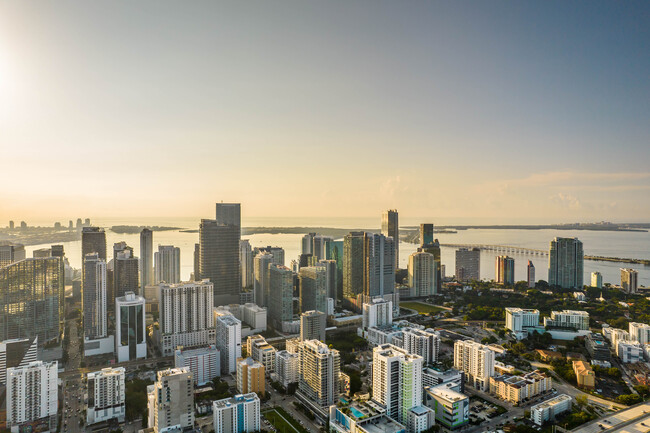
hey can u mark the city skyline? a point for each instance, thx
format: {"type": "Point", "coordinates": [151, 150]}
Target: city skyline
{"type": "Point", "coordinates": [536, 111]}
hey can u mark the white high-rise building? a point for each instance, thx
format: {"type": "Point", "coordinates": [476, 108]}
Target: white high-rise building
{"type": "Point", "coordinates": [261, 284]}
{"type": "Point", "coordinates": [186, 317]}
{"type": "Point", "coordinates": [32, 395]}
{"type": "Point", "coordinates": [629, 280]}
{"type": "Point", "coordinates": [253, 315]}
{"type": "Point", "coordinates": [168, 264]}
{"type": "Point", "coordinates": [425, 343]}
{"type": "Point", "coordinates": [312, 325]}
{"type": "Point", "coordinates": [519, 320]}
{"type": "Point", "coordinates": [629, 352]}
{"type": "Point", "coordinates": [171, 400]}
{"type": "Point", "coordinates": [378, 312]}
{"type": "Point", "coordinates": [396, 380]}
{"type": "Point", "coordinates": [596, 280]}
{"type": "Point", "coordinates": [204, 362]}
{"type": "Point", "coordinates": [286, 367]}
{"type": "Point", "coordinates": [549, 409]}
{"type": "Point", "coordinates": [246, 263]}
{"type": "Point", "coordinates": [640, 332]}
{"type": "Point", "coordinates": [476, 360]}
{"type": "Point", "coordinates": [240, 413]}
{"type": "Point", "coordinates": [106, 395]}
{"type": "Point", "coordinates": [422, 272]}
{"type": "Point", "coordinates": [130, 328]}
{"type": "Point", "coordinates": [22, 351]}
{"type": "Point", "coordinates": [228, 341]}
{"type": "Point", "coordinates": [94, 297]}
{"type": "Point", "coordinates": [568, 319]}
{"type": "Point", "coordinates": [319, 368]}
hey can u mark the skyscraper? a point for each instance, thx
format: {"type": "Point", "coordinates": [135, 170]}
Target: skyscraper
{"type": "Point", "coordinates": [32, 396]}
{"type": "Point", "coordinates": [281, 295]}
{"type": "Point", "coordinates": [106, 395]}
{"type": "Point", "coordinates": [130, 329]}
{"type": "Point", "coordinates": [432, 246]}
{"type": "Point", "coordinates": [125, 271]}
{"type": "Point", "coordinates": [530, 274]}
{"type": "Point", "coordinates": [629, 280]}
{"type": "Point", "coordinates": [197, 262]}
{"type": "Point", "coordinates": [228, 340]}
{"type": "Point", "coordinates": [94, 297]}
{"type": "Point", "coordinates": [171, 400]}
{"type": "Point", "coordinates": [318, 383]}
{"type": "Point", "coordinates": [379, 277]}
{"type": "Point", "coordinates": [376, 313]}
{"type": "Point", "coordinates": [16, 353]}
{"type": "Point", "coordinates": [476, 360]}
{"type": "Point", "coordinates": [422, 274]}
{"type": "Point", "coordinates": [168, 264]}
{"type": "Point", "coordinates": [93, 240]}
{"type": "Point", "coordinates": [10, 253]}
{"type": "Point", "coordinates": [146, 258]}
{"type": "Point", "coordinates": [203, 361]}
{"type": "Point", "coordinates": [307, 245]}
{"type": "Point", "coordinates": [312, 325]}
{"type": "Point", "coordinates": [565, 263]}
{"type": "Point", "coordinates": [240, 413]}
{"type": "Point", "coordinates": [320, 247]}
{"type": "Point", "coordinates": [353, 266]}
{"type": "Point", "coordinates": [426, 234]}
{"type": "Point", "coordinates": [332, 277]}
{"type": "Point", "coordinates": [219, 263]}
{"type": "Point", "coordinates": [246, 263]}
{"type": "Point", "coordinates": [390, 227]}
{"type": "Point", "coordinates": [468, 264]}
{"type": "Point", "coordinates": [313, 289]}
{"type": "Point", "coordinates": [505, 270]}
{"type": "Point", "coordinates": [261, 264]}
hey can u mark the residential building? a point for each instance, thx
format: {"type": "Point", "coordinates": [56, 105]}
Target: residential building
{"type": "Point", "coordinates": [396, 380]}
{"type": "Point", "coordinates": [377, 312]}
{"type": "Point", "coordinates": [597, 348]}
{"type": "Point", "coordinates": [565, 263]}
{"type": "Point", "coordinates": [308, 243]}
{"type": "Point", "coordinates": [94, 297]}
{"type": "Point", "coordinates": [93, 240]}
{"type": "Point", "coordinates": [286, 367]}
{"type": "Point", "coordinates": [362, 417]}
{"type": "Point", "coordinates": [246, 263]}
{"type": "Point", "coordinates": [254, 316]}
{"type": "Point", "coordinates": [320, 247]}
{"type": "Point", "coordinates": [228, 330]}
{"type": "Point", "coordinates": [454, 379]}
{"type": "Point", "coordinates": [186, 317]}
{"type": "Point", "coordinates": [106, 395]}
{"type": "Point", "coordinates": [168, 264]}
{"type": "Point", "coordinates": [629, 352]}
{"type": "Point", "coordinates": [32, 397]}
{"type": "Point", "coordinates": [31, 299]}
{"type": "Point", "coordinates": [146, 259]}
{"type": "Point", "coordinates": [422, 274]}
{"type": "Point", "coordinates": [568, 319]}
{"type": "Point", "coordinates": [318, 382]}
{"type": "Point", "coordinates": [19, 352]}
{"type": "Point", "coordinates": [281, 295]}
{"type": "Point", "coordinates": [203, 361]}
{"type": "Point", "coordinates": [276, 252]}
{"type": "Point", "coordinates": [548, 410]}
{"type": "Point", "coordinates": [379, 255]}
{"type": "Point", "coordinates": [219, 253]}
{"type": "Point", "coordinates": [629, 280]}
{"type": "Point", "coordinates": [238, 414]}
{"type": "Point", "coordinates": [640, 332]}
{"type": "Point", "coordinates": [530, 274]}
{"type": "Point", "coordinates": [10, 253]}
{"type": "Point", "coordinates": [250, 376]}
{"type": "Point", "coordinates": [353, 267]}
{"type": "Point", "coordinates": [261, 263]}
{"type": "Point", "coordinates": [426, 234]}
{"type": "Point", "coordinates": [425, 343]}
{"type": "Point", "coordinates": [519, 321]}
{"type": "Point", "coordinates": [331, 273]}
{"type": "Point", "coordinates": [262, 352]}
{"type": "Point", "coordinates": [468, 264]}
{"type": "Point", "coordinates": [125, 271]}
{"type": "Point", "coordinates": [516, 389]}
{"type": "Point", "coordinates": [130, 329]}
{"type": "Point", "coordinates": [585, 376]}
{"type": "Point", "coordinates": [450, 406]}
{"type": "Point", "coordinates": [171, 400]}
{"type": "Point", "coordinates": [313, 288]}
{"type": "Point", "coordinates": [390, 228]}
{"type": "Point", "coordinates": [312, 325]}
{"type": "Point", "coordinates": [196, 274]}
{"type": "Point", "coordinates": [505, 270]}
{"type": "Point", "coordinates": [476, 360]}
{"type": "Point", "coordinates": [596, 280]}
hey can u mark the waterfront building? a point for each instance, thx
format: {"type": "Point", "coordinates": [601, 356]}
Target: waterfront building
{"type": "Point", "coordinates": [228, 330]}
{"type": "Point", "coordinates": [171, 400]}
{"type": "Point", "coordinates": [94, 297]}
{"type": "Point", "coordinates": [318, 383]}
{"type": "Point", "coordinates": [281, 295]}
{"type": "Point", "coordinates": [261, 263]}
{"type": "Point", "coordinates": [377, 313]}
{"type": "Point", "coordinates": [246, 263]}
{"type": "Point", "coordinates": [390, 228]}
{"type": "Point", "coordinates": [451, 407]}
{"type": "Point", "coordinates": [10, 253]}
{"type": "Point", "coordinates": [286, 367]}
{"type": "Point", "coordinates": [312, 325]}
{"type": "Point", "coordinates": [32, 397]}
{"type": "Point", "coordinates": [548, 410]}
{"type": "Point", "coordinates": [568, 319]}
{"type": "Point", "coordinates": [520, 321]}
{"type": "Point", "coordinates": [106, 395]}
{"type": "Point", "coordinates": [313, 288]}
{"type": "Point", "coordinates": [468, 264]}
{"type": "Point", "coordinates": [596, 280]}
{"type": "Point", "coordinates": [505, 270]}
{"type": "Point", "coordinates": [250, 376]}
{"type": "Point", "coordinates": [565, 263]}
{"type": "Point", "coordinates": [476, 360]}
{"type": "Point", "coordinates": [629, 280]}
{"type": "Point", "coordinates": [422, 274]}
{"type": "Point", "coordinates": [203, 361]}
{"type": "Point", "coordinates": [530, 275]}
{"type": "Point", "coordinates": [238, 414]}
{"type": "Point", "coordinates": [168, 264]}
{"type": "Point", "coordinates": [130, 329]}
{"type": "Point", "coordinates": [146, 259]}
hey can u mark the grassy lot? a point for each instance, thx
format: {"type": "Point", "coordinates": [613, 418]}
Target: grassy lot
{"type": "Point", "coordinates": [421, 307]}
{"type": "Point", "coordinates": [283, 422]}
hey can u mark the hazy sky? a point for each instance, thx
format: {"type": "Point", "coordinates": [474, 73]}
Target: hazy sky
{"type": "Point", "coordinates": [488, 109]}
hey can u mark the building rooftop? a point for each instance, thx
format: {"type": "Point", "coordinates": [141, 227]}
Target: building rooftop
{"type": "Point", "coordinates": [445, 392]}
{"type": "Point", "coordinates": [232, 401]}
{"type": "Point", "coordinates": [551, 402]}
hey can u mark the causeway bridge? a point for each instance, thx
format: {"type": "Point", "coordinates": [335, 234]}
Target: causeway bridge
{"type": "Point", "coordinates": [500, 248]}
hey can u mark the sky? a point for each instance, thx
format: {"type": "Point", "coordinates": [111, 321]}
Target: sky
{"type": "Point", "coordinates": [502, 111]}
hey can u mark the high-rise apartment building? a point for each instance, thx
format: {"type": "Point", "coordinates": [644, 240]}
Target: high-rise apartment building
{"type": "Point", "coordinates": [629, 280]}
{"type": "Point", "coordinates": [203, 361]}
{"type": "Point", "coordinates": [307, 245]}
{"type": "Point", "coordinates": [426, 234]}
{"type": "Point", "coordinates": [261, 351]}
{"type": "Point", "coordinates": [261, 263]}
{"type": "Point", "coordinates": [530, 274]}
{"type": "Point", "coordinates": [32, 397]}
{"type": "Point", "coordinates": [425, 343]}
{"type": "Point", "coordinates": [568, 320]}
{"type": "Point", "coordinates": [130, 329]}
{"type": "Point", "coordinates": [312, 325]}
{"type": "Point", "coordinates": [281, 295]}
{"type": "Point", "coordinates": [396, 380]}
{"type": "Point", "coordinates": [376, 313]}
{"type": "Point", "coordinates": [228, 329]}
{"type": "Point", "coordinates": [286, 367]}
{"type": "Point", "coordinates": [476, 360]}
{"type": "Point", "coordinates": [430, 245]}
{"type": "Point", "coordinates": [94, 297]}
{"type": "Point", "coordinates": [146, 259]}
{"type": "Point", "coordinates": [250, 376]}
{"type": "Point", "coordinates": [505, 270]}
{"type": "Point", "coordinates": [186, 315]}
{"type": "Point", "coordinates": [240, 413]}
{"type": "Point", "coordinates": [246, 263]}
{"type": "Point", "coordinates": [379, 255]}
{"type": "Point", "coordinates": [93, 240]}
{"type": "Point", "coordinates": [596, 280]}
{"type": "Point", "coordinates": [125, 272]}
{"type": "Point", "coordinates": [276, 252]}
{"type": "Point", "coordinates": [196, 274]}
{"type": "Point", "coordinates": [321, 247]}
{"type": "Point", "coordinates": [168, 264]}
{"type": "Point", "coordinates": [565, 263]}
{"type": "Point", "coordinates": [219, 257]}
{"type": "Point", "coordinates": [106, 395]}
{"type": "Point", "coordinates": [640, 332]}
{"type": "Point", "coordinates": [331, 273]}
{"type": "Point", "coordinates": [390, 228]}
{"type": "Point", "coordinates": [31, 299]}
{"type": "Point", "coordinates": [468, 264]}
{"type": "Point", "coordinates": [353, 267]}
{"type": "Point", "coordinates": [10, 253]}
{"type": "Point", "coordinates": [318, 384]}
{"type": "Point", "coordinates": [422, 274]}
{"type": "Point", "coordinates": [519, 321]}
{"type": "Point", "coordinates": [171, 400]}
{"type": "Point", "coordinates": [313, 288]}
{"type": "Point", "coordinates": [16, 353]}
